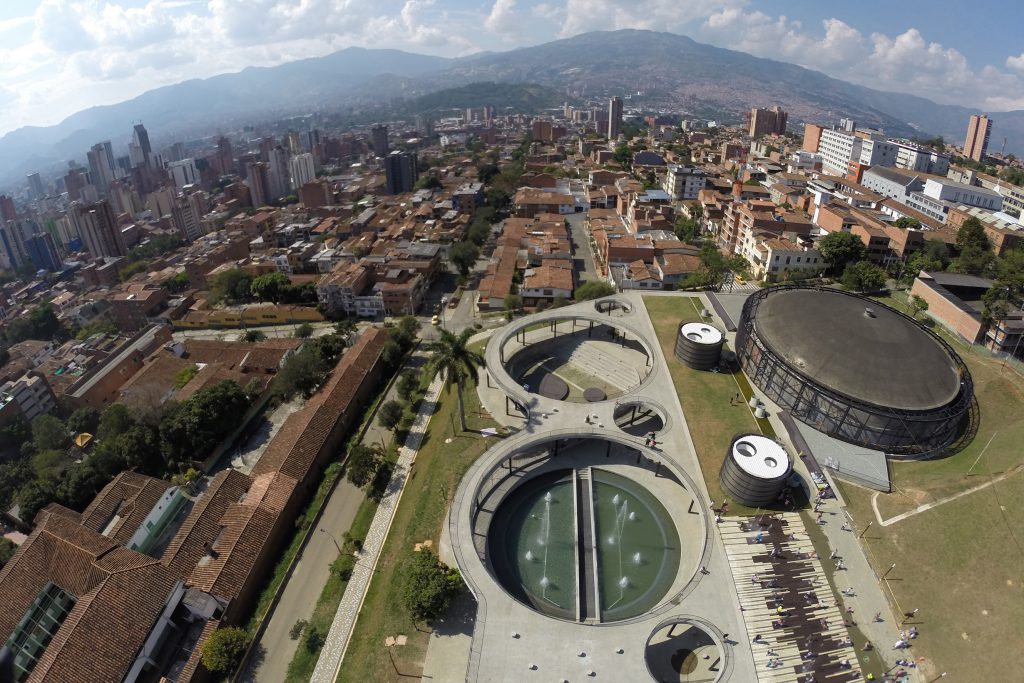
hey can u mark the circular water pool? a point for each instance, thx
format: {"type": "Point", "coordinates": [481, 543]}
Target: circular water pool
{"type": "Point", "coordinates": [584, 545]}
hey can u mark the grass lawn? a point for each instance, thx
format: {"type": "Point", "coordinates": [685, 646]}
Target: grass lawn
{"type": "Point", "coordinates": [438, 469]}
{"type": "Point", "coordinates": [704, 395]}
{"type": "Point", "coordinates": [961, 563]}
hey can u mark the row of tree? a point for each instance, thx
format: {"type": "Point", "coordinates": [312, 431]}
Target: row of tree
{"type": "Point", "coordinates": [154, 441]}
{"type": "Point", "coordinates": [236, 286]}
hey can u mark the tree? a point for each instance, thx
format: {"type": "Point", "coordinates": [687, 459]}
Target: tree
{"type": "Point", "coordinates": [408, 384]}
{"type": "Point", "coordinates": [346, 330]}
{"type": "Point", "coordinates": [83, 420]}
{"type": "Point", "coordinates": [224, 649]}
{"type": "Point", "coordinates": [933, 257]}
{"type": "Point", "coordinates": [839, 249]}
{"type": "Point", "coordinates": [594, 289]}
{"type": "Point", "coordinates": [453, 358]}
{"type": "Point", "coordinates": [114, 421]}
{"type": "Point", "coordinates": [975, 249]}
{"type": "Point", "coordinates": [463, 255]}
{"type": "Point", "coordinates": [390, 414]}
{"type": "Point", "coordinates": [863, 276]}
{"type": "Point", "coordinates": [15, 433]}
{"type": "Point", "coordinates": [917, 305]}
{"type": "Point", "coordinates": [192, 429]}
{"type": "Point", "coordinates": [304, 331]}
{"type": "Point", "coordinates": [429, 587]}
{"type": "Point", "coordinates": [405, 331]}
{"type": "Point", "coordinates": [270, 287]}
{"type": "Point", "coordinates": [254, 336]}
{"type": "Point", "coordinates": [232, 286]}
{"type": "Point", "coordinates": [302, 373]}
{"type": "Point", "coordinates": [907, 223]}
{"type": "Point", "coordinates": [79, 486]}
{"type": "Point", "coordinates": [714, 267]}
{"type": "Point", "coordinates": [328, 348]}
{"type": "Point", "coordinates": [7, 550]}
{"type": "Point", "coordinates": [513, 304]}
{"type": "Point", "coordinates": [685, 228]}
{"type": "Point", "coordinates": [362, 464]}
{"type": "Point", "coordinates": [49, 433]}
{"type": "Point", "coordinates": [178, 283]}
{"type": "Point", "coordinates": [33, 497]}
{"type": "Point", "coordinates": [428, 181]}
{"type": "Point", "coordinates": [623, 156]}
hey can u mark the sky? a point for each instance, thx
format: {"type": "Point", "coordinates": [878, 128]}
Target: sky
{"type": "Point", "coordinates": [60, 56]}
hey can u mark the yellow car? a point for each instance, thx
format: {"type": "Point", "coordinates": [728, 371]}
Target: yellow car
{"type": "Point", "coordinates": [739, 280]}
{"type": "Point", "coordinates": [435, 321]}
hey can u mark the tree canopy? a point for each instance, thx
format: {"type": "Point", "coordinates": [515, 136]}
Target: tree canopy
{"type": "Point", "coordinates": [192, 429]}
{"type": "Point", "coordinates": [463, 255]}
{"type": "Point", "coordinates": [430, 586]}
{"type": "Point", "coordinates": [863, 276]}
{"type": "Point", "coordinates": [593, 289]}
{"type": "Point", "coordinates": [223, 650]}
{"type": "Point", "coordinates": [975, 255]}
{"type": "Point", "coordinates": [840, 249]}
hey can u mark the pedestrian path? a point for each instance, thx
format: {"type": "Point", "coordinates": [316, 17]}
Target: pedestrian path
{"type": "Point", "coordinates": [336, 644]}
{"type": "Point", "coordinates": [798, 631]}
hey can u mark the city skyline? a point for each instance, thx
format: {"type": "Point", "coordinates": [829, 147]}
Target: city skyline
{"type": "Point", "coordinates": [66, 56]}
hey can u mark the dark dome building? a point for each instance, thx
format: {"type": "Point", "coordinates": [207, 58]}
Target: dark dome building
{"type": "Point", "coordinates": [855, 369]}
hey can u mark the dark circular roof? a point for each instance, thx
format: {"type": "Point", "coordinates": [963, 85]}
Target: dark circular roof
{"type": "Point", "coordinates": [553, 386]}
{"type": "Point", "coordinates": [858, 348]}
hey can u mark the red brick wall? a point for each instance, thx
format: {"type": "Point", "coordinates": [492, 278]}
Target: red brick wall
{"type": "Point", "coordinates": [961, 322]}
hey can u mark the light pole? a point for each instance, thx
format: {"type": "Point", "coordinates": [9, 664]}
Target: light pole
{"type": "Point", "coordinates": [333, 539]}
{"type": "Point", "coordinates": [891, 567]}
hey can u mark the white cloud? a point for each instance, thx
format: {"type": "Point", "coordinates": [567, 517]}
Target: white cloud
{"type": "Point", "coordinates": [905, 63]}
{"type": "Point", "coordinates": [658, 15]}
{"type": "Point", "coordinates": [71, 54]}
{"type": "Point", "coordinates": [502, 18]}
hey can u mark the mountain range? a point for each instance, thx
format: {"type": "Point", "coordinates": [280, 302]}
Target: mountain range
{"type": "Point", "coordinates": [657, 70]}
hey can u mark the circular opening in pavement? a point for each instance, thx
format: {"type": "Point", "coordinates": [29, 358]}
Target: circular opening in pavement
{"type": "Point", "coordinates": [639, 418]}
{"type": "Point", "coordinates": [684, 652]}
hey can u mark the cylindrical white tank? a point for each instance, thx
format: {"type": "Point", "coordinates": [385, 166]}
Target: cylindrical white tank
{"type": "Point", "coordinates": [699, 345]}
{"type": "Point", "coordinates": [755, 470]}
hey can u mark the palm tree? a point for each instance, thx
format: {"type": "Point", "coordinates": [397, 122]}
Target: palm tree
{"type": "Point", "coordinates": [457, 361]}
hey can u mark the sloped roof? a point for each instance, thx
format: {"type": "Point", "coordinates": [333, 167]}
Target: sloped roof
{"type": "Point", "coordinates": [298, 442]}
{"type": "Point", "coordinates": [119, 595]}
{"type": "Point", "coordinates": [130, 496]}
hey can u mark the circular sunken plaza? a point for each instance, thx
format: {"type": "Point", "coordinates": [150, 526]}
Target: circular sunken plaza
{"type": "Point", "coordinates": [588, 547]}
{"type": "Point", "coordinates": [855, 369]}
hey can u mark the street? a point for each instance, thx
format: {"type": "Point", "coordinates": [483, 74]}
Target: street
{"type": "Point", "coordinates": [583, 255]}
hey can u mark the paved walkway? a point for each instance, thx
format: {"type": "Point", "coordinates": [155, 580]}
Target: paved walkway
{"type": "Point", "coordinates": [333, 652]}
{"type": "Point", "coordinates": [869, 590]}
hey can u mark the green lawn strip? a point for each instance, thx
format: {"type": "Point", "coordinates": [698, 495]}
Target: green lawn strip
{"type": "Point", "coordinates": [960, 564]}
{"type": "Point", "coordinates": [304, 661]}
{"type": "Point", "coordinates": [436, 473]}
{"type": "Point", "coordinates": [705, 396]}
{"type": "Point", "coordinates": [870, 662]}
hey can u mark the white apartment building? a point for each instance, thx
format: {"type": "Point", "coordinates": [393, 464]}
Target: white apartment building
{"type": "Point", "coordinates": [838, 149]}
{"type": "Point", "coordinates": [921, 159]}
{"type": "Point", "coordinates": [683, 182]}
{"type": "Point", "coordinates": [772, 258]}
{"type": "Point", "coordinates": [939, 196]}
{"type": "Point", "coordinates": [303, 169]}
{"type": "Point", "coordinates": [183, 172]}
